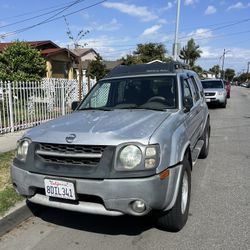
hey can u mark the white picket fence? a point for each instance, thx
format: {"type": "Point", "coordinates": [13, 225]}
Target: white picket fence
{"type": "Point", "coordinates": [27, 104]}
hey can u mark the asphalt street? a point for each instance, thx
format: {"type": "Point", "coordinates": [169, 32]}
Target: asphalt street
{"type": "Point", "coordinates": [219, 211]}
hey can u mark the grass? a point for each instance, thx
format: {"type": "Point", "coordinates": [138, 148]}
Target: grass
{"type": "Point", "coordinates": [8, 196]}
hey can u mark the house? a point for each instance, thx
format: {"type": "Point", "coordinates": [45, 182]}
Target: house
{"type": "Point", "coordinates": [112, 64]}
{"type": "Point", "coordinates": [85, 54]}
{"type": "Point", "coordinates": [208, 75]}
{"type": "Point", "coordinates": [60, 62]}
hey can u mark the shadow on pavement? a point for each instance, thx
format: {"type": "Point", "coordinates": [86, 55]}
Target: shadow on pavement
{"type": "Point", "coordinates": [126, 225]}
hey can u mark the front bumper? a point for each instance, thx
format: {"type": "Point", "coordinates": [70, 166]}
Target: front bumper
{"type": "Point", "coordinates": [218, 99]}
{"type": "Point", "coordinates": [117, 195]}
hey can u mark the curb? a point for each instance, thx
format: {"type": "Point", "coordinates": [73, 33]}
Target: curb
{"type": "Point", "coordinates": [19, 213]}
{"type": "Point", "coordinates": [14, 217]}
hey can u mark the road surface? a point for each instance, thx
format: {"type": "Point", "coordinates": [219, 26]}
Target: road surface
{"type": "Point", "coordinates": [219, 211]}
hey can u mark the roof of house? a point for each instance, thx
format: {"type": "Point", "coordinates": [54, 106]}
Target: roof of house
{"type": "Point", "coordinates": [109, 64]}
{"type": "Point", "coordinates": [82, 52]}
{"type": "Point", "coordinates": [52, 50]}
{"type": "Point", "coordinates": [39, 43]}
{"type": "Point", "coordinates": [112, 64]}
{"type": "Point", "coordinates": [31, 43]}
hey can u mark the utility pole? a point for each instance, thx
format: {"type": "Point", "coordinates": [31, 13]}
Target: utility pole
{"type": "Point", "coordinates": [248, 67]}
{"type": "Point", "coordinates": [223, 61]}
{"type": "Point", "coordinates": [176, 45]}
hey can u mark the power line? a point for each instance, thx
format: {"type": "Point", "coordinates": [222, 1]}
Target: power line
{"type": "Point", "coordinates": [219, 28]}
{"type": "Point", "coordinates": [219, 36]}
{"type": "Point", "coordinates": [37, 16]}
{"type": "Point", "coordinates": [133, 45]}
{"type": "Point", "coordinates": [35, 11]}
{"type": "Point", "coordinates": [48, 20]}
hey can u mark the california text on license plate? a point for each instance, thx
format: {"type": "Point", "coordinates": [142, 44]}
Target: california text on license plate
{"type": "Point", "coordinates": [60, 189]}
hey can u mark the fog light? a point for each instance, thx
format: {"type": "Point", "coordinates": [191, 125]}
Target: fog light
{"type": "Point", "coordinates": [138, 206]}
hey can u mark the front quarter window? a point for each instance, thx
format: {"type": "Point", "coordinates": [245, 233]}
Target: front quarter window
{"type": "Point", "coordinates": [187, 95]}
{"type": "Point", "coordinates": [98, 97]}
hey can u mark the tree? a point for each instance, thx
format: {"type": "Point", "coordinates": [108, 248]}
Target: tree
{"type": "Point", "coordinates": [215, 70]}
{"type": "Point", "coordinates": [145, 53]}
{"type": "Point", "coordinates": [150, 51]}
{"type": "Point", "coordinates": [75, 40]}
{"type": "Point", "coordinates": [198, 69]}
{"type": "Point", "coordinates": [229, 74]}
{"type": "Point", "coordinates": [130, 59]}
{"type": "Point", "coordinates": [190, 53]}
{"type": "Point", "coordinates": [97, 68]}
{"type": "Point", "coordinates": [243, 77]}
{"type": "Point", "coordinates": [21, 62]}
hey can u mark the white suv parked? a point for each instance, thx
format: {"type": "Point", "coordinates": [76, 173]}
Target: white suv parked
{"type": "Point", "coordinates": [215, 92]}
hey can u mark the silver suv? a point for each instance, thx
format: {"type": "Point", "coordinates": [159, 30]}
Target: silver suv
{"type": "Point", "coordinates": [128, 148]}
{"type": "Point", "coordinates": [215, 92]}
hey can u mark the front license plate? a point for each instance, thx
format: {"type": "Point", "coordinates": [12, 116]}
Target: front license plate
{"type": "Point", "coordinates": [60, 189]}
{"type": "Point", "coordinates": [208, 100]}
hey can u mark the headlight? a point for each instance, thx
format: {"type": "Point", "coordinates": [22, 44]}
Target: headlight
{"type": "Point", "coordinates": [22, 149]}
{"type": "Point", "coordinates": [220, 93]}
{"type": "Point", "coordinates": [130, 157]}
{"type": "Point", "coordinates": [137, 157]}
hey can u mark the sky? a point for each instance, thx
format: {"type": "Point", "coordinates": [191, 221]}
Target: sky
{"type": "Point", "coordinates": [115, 27]}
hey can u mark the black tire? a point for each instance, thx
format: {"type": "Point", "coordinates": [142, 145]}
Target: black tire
{"type": "Point", "coordinates": [175, 219]}
{"type": "Point", "coordinates": [205, 137]}
{"type": "Point", "coordinates": [224, 105]}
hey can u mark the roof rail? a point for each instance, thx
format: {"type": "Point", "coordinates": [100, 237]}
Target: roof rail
{"type": "Point", "coordinates": [154, 67]}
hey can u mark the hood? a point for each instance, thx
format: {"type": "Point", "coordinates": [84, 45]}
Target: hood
{"type": "Point", "coordinates": [100, 127]}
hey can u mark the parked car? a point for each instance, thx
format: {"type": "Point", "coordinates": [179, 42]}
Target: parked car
{"type": "Point", "coordinates": [243, 84]}
{"type": "Point", "coordinates": [227, 85]}
{"type": "Point", "coordinates": [215, 92]}
{"type": "Point", "coordinates": [128, 148]}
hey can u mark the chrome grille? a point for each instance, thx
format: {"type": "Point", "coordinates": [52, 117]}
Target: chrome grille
{"type": "Point", "coordinates": [85, 155]}
{"type": "Point", "coordinates": [65, 148]}
{"type": "Point", "coordinates": [209, 94]}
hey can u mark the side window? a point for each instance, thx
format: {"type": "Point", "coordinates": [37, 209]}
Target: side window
{"type": "Point", "coordinates": [187, 95]}
{"type": "Point", "coordinates": [194, 89]}
{"type": "Point", "coordinates": [198, 82]}
{"type": "Point", "coordinates": [100, 98]}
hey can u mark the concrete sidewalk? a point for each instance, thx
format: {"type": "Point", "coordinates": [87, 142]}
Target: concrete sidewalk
{"type": "Point", "coordinates": [9, 141]}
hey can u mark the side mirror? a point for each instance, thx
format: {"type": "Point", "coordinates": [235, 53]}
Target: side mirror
{"type": "Point", "coordinates": [188, 103]}
{"type": "Point", "coordinates": [74, 105]}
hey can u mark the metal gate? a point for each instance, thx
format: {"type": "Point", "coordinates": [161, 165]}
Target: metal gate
{"type": "Point", "coordinates": [27, 104]}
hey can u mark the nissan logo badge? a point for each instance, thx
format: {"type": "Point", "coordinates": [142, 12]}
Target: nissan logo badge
{"type": "Point", "coordinates": [70, 138]}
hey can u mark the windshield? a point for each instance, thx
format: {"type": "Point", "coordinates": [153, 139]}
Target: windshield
{"type": "Point", "coordinates": [212, 84]}
{"type": "Point", "coordinates": [157, 93]}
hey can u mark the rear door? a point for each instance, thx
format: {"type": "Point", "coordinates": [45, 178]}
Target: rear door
{"type": "Point", "coordinates": [194, 116]}
{"type": "Point", "coordinates": [198, 106]}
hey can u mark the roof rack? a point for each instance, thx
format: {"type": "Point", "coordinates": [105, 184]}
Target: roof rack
{"type": "Point", "coordinates": [155, 67]}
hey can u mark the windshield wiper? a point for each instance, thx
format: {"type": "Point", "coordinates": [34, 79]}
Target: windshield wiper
{"type": "Point", "coordinates": [148, 108]}
{"type": "Point", "coordinates": [101, 108]}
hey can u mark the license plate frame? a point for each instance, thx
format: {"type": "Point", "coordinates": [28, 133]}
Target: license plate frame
{"type": "Point", "coordinates": [58, 188]}
{"type": "Point", "coordinates": [208, 100]}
